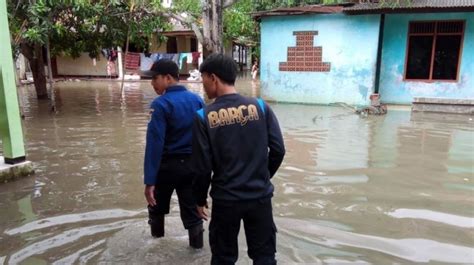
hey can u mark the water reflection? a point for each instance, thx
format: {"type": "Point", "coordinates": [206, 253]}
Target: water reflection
{"type": "Point", "coordinates": [444, 218]}
{"type": "Point", "coordinates": [368, 190]}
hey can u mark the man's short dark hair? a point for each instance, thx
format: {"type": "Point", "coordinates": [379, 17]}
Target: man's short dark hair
{"type": "Point", "coordinates": [162, 67]}
{"type": "Point", "coordinates": [222, 66]}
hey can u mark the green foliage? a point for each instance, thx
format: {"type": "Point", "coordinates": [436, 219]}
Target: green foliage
{"type": "Point", "coordinates": [261, 5]}
{"type": "Point", "coordinates": [190, 7]}
{"type": "Point", "coordinates": [238, 22]}
{"type": "Point", "coordinates": [76, 26]}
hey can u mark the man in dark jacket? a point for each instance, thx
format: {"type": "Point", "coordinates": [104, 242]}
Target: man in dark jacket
{"type": "Point", "coordinates": [237, 148]}
{"type": "Point", "coordinates": [168, 152]}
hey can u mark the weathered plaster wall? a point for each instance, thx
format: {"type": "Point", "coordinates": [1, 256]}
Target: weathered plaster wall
{"type": "Point", "coordinates": [349, 44]}
{"type": "Point", "coordinates": [82, 66]}
{"type": "Point", "coordinates": [394, 89]}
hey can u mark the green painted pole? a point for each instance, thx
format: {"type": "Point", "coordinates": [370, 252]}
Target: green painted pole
{"type": "Point", "coordinates": [10, 121]}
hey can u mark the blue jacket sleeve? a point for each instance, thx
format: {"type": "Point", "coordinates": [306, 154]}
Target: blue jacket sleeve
{"type": "Point", "coordinates": [155, 137]}
{"type": "Point", "coordinates": [202, 161]}
{"type": "Point", "coordinates": [275, 142]}
{"type": "Point", "coordinates": [201, 102]}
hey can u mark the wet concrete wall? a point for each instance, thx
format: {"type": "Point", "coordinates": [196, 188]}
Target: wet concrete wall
{"type": "Point", "coordinates": [349, 44]}
{"type": "Point", "coordinates": [394, 89]}
{"type": "Point", "coordinates": [81, 66]}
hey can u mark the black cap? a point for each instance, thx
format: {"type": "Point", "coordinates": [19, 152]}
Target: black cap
{"type": "Point", "coordinates": [162, 67]}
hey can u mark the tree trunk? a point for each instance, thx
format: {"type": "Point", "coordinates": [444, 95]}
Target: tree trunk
{"type": "Point", "coordinates": [207, 14]}
{"type": "Point", "coordinates": [34, 54]}
{"type": "Point", "coordinates": [220, 28]}
{"type": "Point", "coordinates": [217, 26]}
{"type": "Point", "coordinates": [211, 36]}
{"type": "Point", "coordinates": [50, 77]}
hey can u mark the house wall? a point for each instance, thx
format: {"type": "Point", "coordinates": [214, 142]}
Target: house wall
{"type": "Point", "coordinates": [394, 89]}
{"type": "Point", "coordinates": [183, 45]}
{"type": "Point", "coordinates": [82, 66]}
{"type": "Point", "coordinates": [156, 46]}
{"type": "Point", "coordinates": [349, 45]}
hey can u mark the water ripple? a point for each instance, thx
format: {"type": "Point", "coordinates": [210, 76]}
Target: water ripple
{"type": "Point", "coordinates": [64, 238]}
{"type": "Point", "coordinates": [79, 254]}
{"type": "Point", "coordinates": [412, 249]}
{"type": "Point", "coordinates": [72, 218]}
{"type": "Point", "coordinates": [445, 218]}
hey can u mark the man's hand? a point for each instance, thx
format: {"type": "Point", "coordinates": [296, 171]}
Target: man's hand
{"type": "Point", "coordinates": [150, 195]}
{"type": "Point", "coordinates": [202, 212]}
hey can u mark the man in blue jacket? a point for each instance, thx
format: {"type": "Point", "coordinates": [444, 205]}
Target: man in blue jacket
{"type": "Point", "coordinates": [168, 151]}
{"type": "Point", "coordinates": [237, 148]}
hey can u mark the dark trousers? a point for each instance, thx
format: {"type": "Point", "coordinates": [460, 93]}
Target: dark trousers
{"type": "Point", "coordinates": [175, 174]}
{"type": "Point", "coordinates": [260, 231]}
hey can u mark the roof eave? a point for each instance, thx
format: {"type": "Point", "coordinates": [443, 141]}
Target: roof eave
{"type": "Point", "coordinates": [408, 10]}
{"type": "Point", "coordinates": [296, 11]}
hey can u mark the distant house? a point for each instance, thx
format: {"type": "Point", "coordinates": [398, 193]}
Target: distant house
{"type": "Point", "coordinates": [328, 54]}
{"type": "Point", "coordinates": [179, 40]}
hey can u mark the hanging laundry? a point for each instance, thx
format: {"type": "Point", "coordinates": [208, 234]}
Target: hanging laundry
{"type": "Point", "coordinates": [132, 61]}
{"type": "Point", "coordinates": [175, 58]}
{"type": "Point", "coordinates": [196, 56]}
{"type": "Point", "coordinates": [145, 62]}
{"type": "Point", "coordinates": [111, 68]}
{"type": "Point", "coordinates": [159, 56]}
{"type": "Point", "coordinates": [189, 57]}
{"type": "Point", "coordinates": [182, 57]}
{"type": "Point", "coordinates": [167, 56]}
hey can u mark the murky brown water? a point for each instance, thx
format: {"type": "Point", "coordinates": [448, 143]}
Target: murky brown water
{"type": "Point", "coordinates": [379, 190]}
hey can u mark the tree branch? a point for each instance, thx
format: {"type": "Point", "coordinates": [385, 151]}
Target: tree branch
{"type": "Point", "coordinates": [228, 3]}
{"type": "Point", "coordinates": [190, 23]}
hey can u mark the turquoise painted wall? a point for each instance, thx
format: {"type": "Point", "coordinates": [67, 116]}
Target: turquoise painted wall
{"type": "Point", "coordinates": [394, 89]}
{"type": "Point", "coordinates": [349, 44]}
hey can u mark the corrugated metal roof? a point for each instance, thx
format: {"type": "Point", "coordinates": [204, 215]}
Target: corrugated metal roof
{"type": "Point", "coordinates": [413, 4]}
{"type": "Point", "coordinates": [300, 10]}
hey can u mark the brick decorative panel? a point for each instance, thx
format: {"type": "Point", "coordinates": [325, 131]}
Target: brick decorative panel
{"type": "Point", "coordinates": [305, 57]}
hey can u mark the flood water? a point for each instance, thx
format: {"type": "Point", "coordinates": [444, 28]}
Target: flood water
{"type": "Point", "coordinates": [394, 189]}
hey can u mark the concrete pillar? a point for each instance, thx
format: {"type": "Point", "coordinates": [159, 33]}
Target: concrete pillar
{"type": "Point", "coordinates": [119, 63]}
{"type": "Point", "coordinates": [10, 121]}
{"type": "Point", "coordinates": [22, 64]}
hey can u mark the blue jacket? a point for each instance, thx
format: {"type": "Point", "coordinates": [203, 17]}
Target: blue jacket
{"type": "Point", "coordinates": [170, 128]}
